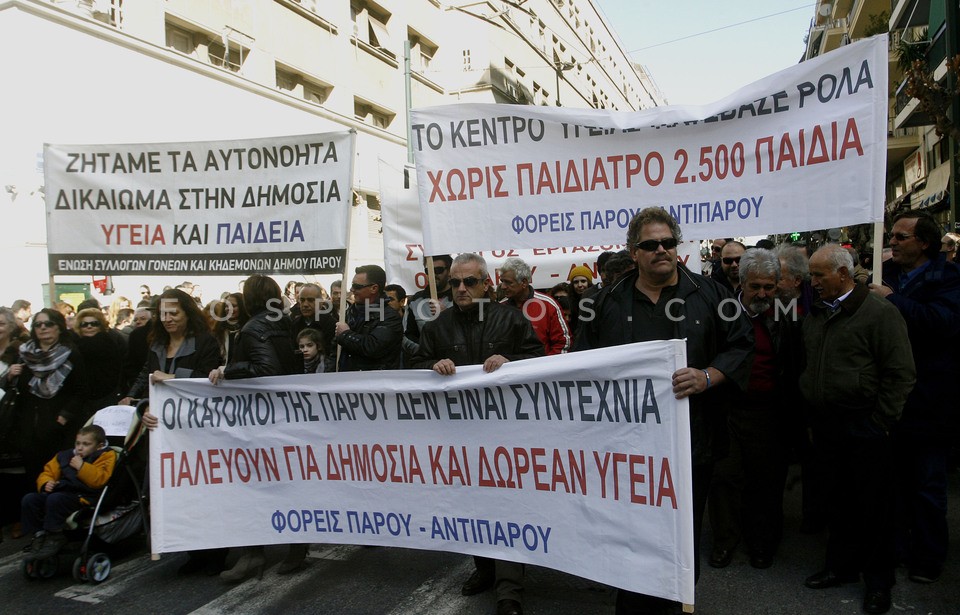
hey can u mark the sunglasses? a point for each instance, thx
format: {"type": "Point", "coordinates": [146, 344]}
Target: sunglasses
{"type": "Point", "coordinates": [468, 282]}
{"type": "Point", "coordinates": [356, 287]}
{"type": "Point", "coordinates": [438, 270]}
{"type": "Point", "coordinates": [89, 324]}
{"type": "Point", "coordinates": [901, 236]}
{"type": "Point", "coordinates": [651, 245]}
{"type": "Point", "coordinates": [729, 260]}
{"type": "Point", "coordinates": [43, 324]}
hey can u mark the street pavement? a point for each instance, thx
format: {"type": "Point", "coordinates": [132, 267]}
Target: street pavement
{"type": "Point", "coordinates": [347, 579]}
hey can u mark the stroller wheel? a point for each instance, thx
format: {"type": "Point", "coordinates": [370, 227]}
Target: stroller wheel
{"type": "Point", "coordinates": [79, 570]}
{"type": "Point", "coordinates": [98, 567]}
{"type": "Point", "coordinates": [29, 569]}
{"type": "Point", "coordinates": [47, 568]}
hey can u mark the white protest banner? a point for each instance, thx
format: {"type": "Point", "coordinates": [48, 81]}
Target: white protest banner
{"type": "Point", "coordinates": [801, 149]}
{"type": "Point", "coordinates": [272, 205]}
{"type": "Point", "coordinates": [577, 462]}
{"type": "Point", "coordinates": [403, 242]}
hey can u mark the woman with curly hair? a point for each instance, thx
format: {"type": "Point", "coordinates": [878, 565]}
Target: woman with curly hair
{"type": "Point", "coordinates": [181, 345]}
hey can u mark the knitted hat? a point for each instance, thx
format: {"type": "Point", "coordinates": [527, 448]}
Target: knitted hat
{"type": "Point", "coordinates": [580, 271]}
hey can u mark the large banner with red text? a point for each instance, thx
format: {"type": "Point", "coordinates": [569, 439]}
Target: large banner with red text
{"type": "Point", "coordinates": [273, 205]}
{"type": "Point", "coordinates": [804, 148]}
{"type": "Point", "coordinates": [403, 242]}
{"type": "Point", "coordinates": [579, 463]}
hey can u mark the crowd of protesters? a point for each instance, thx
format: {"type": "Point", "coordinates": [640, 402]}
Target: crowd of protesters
{"type": "Point", "coordinates": [816, 366]}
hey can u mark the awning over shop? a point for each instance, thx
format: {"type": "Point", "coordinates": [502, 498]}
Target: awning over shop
{"type": "Point", "coordinates": [936, 190]}
{"type": "Point", "coordinates": [900, 202]}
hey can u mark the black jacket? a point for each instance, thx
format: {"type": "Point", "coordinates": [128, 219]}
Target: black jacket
{"type": "Point", "coordinates": [720, 277]}
{"type": "Point", "coordinates": [137, 350]}
{"type": "Point", "coordinates": [264, 348]}
{"type": "Point", "coordinates": [196, 358]}
{"type": "Point", "coordinates": [930, 305]}
{"type": "Point", "coordinates": [103, 356]}
{"type": "Point", "coordinates": [466, 339]}
{"type": "Point", "coordinates": [712, 341]}
{"type": "Point", "coordinates": [41, 436]}
{"type": "Point", "coordinates": [374, 339]}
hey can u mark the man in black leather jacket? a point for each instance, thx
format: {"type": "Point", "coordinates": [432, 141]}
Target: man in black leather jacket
{"type": "Point", "coordinates": [371, 336]}
{"type": "Point", "coordinates": [479, 331]}
{"type": "Point", "coordinates": [662, 300]}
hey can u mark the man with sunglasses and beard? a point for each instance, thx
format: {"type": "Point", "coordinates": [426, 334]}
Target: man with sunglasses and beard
{"type": "Point", "coordinates": [478, 331]}
{"type": "Point", "coordinates": [728, 273]}
{"type": "Point", "coordinates": [662, 300]}
{"type": "Point", "coordinates": [371, 332]}
{"type": "Point", "coordinates": [421, 308]}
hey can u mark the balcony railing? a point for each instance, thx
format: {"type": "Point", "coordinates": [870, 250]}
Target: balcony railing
{"type": "Point", "coordinates": [902, 98]}
{"type": "Point", "coordinates": [935, 54]}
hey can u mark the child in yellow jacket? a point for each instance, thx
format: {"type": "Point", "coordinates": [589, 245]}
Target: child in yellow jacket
{"type": "Point", "coordinates": [72, 479]}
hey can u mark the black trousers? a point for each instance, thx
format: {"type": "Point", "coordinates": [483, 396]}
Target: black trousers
{"type": "Point", "coordinates": [47, 511]}
{"type": "Point", "coordinates": [632, 603]}
{"type": "Point", "coordinates": [859, 456]}
{"type": "Point", "coordinates": [746, 493]}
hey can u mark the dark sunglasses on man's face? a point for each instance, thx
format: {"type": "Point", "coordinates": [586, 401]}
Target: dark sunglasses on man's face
{"type": "Point", "coordinates": [468, 282]}
{"type": "Point", "coordinates": [651, 245]}
{"type": "Point", "coordinates": [438, 270]}
{"type": "Point", "coordinates": [729, 260]}
{"type": "Point", "coordinates": [43, 324]}
{"type": "Point", "coordinates": [356, 287]}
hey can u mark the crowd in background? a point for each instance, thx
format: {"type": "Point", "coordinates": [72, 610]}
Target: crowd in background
{"type": "Point", "coordinates": [67, 361]}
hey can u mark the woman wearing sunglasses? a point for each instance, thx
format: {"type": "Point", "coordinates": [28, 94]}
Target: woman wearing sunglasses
{"type": "Point", "coordinates": [103, 353]}
{"type": "Point", "coordinates": [50, 378]}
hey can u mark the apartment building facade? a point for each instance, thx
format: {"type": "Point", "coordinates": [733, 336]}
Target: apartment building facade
{"type": "Point", "coordinates": [920, 164]}
{"type": "Point", "coordinates": [251, 68]}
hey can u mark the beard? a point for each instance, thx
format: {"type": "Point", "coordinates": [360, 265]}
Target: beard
{"type": "Point", "coordinates": [759, 306]}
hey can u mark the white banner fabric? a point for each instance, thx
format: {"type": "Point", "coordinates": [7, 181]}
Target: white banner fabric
{"type": "Point", "coordinates": [579, 463]}
{"type": "Point", "coordinates": [403, 242]}
{"type": "Point", "coordinates": [272, 205]}
{"type": "Point", "coordinates": [804, 148]}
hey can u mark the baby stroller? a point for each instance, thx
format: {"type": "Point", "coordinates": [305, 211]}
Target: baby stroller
{"type": "Point", "coordinates": [119, 512]}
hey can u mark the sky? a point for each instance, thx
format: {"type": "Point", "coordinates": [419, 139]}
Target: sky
{"type": "Point", "coordinates": [705, 68]}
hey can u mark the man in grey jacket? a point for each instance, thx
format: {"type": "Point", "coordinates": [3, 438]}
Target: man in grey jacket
{"type": "Point", "coordinates": [858, 373]}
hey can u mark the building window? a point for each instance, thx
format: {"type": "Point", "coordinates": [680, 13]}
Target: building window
{"type": "Point", "coordinates": [225, 51]}
{"type": "Point", "coordinates": [295, 84]}
{"type": "Point", "coordinates": [467, 64]}
{"type": "Point", "coordinates": [422, 51]}
{"type": "Point", "coordinates": [370, 23]}
{"type": "Point", "coordinates": [230, 57]}
{"type": "Point", "coordinates": [371, 114]}
{"type": "Point", "coordinates": [181, 40]}
{"type": "Point", "coordinates": [315, 95]}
